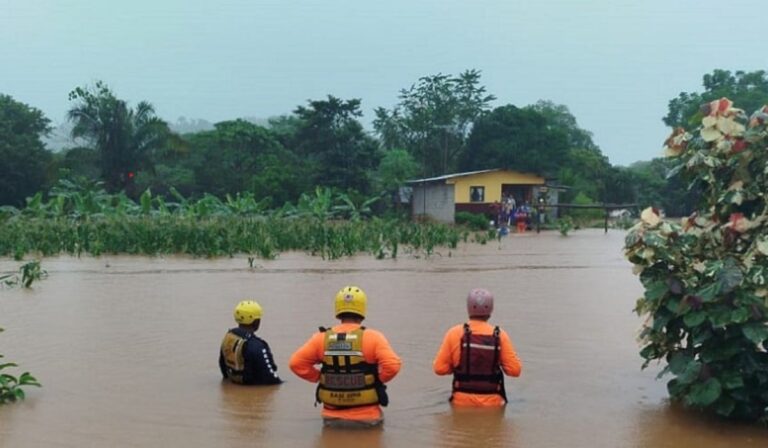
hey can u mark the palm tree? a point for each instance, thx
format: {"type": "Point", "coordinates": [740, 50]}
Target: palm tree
{"type": "Point", "coordinates": [125, 138]}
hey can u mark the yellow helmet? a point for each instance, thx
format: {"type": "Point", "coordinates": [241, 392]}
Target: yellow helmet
{"type": "Point", "coordinates": [247, 311]}
{"type": "Point", "coordinates": [351, 299]}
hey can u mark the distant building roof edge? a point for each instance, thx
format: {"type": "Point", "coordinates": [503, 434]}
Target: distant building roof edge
{"type": "Point", "coordinates": [449, 176]}
{"type": "Point", "coordinates": [468, 173]}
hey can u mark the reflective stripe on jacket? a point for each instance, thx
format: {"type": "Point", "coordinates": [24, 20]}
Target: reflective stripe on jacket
{"type": "Point", "coordinates": [448, 359]}
{"type": "Point", "coordinates": [346, 379]}
{"type": "Point", "coordinates": [376, 350]}
{"type": "Point", "coordinates": [478, 371]}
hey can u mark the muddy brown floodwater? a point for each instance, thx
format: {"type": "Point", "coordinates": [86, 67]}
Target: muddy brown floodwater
{"type": "Point", "coordinates": [126, 348]}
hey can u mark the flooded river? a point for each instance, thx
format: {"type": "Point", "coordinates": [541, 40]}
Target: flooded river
{"type": "Point", "coordinates": [126, 348]}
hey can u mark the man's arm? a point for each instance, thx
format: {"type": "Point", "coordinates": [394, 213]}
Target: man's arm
{"type": "Point", "coordinates": [443, 363]}
{"type": "Point", "coordinates": [386, 358]}
{"type": "Point", "coordinates": [265, 369]}
{"type": "Point", "coordinates": [303, 360]}
{"type": "Point", "coordinates": [510, 363]}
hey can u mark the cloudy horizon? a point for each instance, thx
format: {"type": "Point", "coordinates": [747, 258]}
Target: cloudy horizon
{"type": "Point", "coordinates": [614, 63]}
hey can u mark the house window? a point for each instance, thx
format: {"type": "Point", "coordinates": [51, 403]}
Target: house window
{"type": "Point", "coordinates": [476, 194]}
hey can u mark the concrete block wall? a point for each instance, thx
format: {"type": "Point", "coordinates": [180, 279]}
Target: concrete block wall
{"type": "Point", "coordinates": [436, 201]}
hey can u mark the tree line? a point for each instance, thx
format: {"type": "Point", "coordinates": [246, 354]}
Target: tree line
{"type": "Point", "coordinates": [440, 124]}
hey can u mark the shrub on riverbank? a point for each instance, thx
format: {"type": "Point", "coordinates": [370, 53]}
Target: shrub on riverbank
{"type": "Point", "coordinates": [706, 279]}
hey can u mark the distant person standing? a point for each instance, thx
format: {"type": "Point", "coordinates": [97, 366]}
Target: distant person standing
{"type": "Point", "coordinates": [355, 363]}
{"type": "Point", "coordinates": [521, 219]}
{"type": "Point", "coordinates": [496, 208]}
{"type": "Point", "coordinates": [478, 355]}
{"type": "Point", "coordinates": [528, 214]}
{"type": "Point", "coordinates": [504, 218]}
{"type": "Point", "coordinates": [244, 358]}
{"type": "Point", "coordinates": [512, 203]}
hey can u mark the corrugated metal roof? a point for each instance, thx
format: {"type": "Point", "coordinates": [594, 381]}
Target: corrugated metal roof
{"type": "Point", "coordinates": [448, 176]}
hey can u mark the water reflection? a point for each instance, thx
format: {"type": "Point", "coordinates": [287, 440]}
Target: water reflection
{"type": "Point", "coordinates": [462, 427]}
{"type": "Point", "coordinates": [672, 426]}
{"type": "Point", "coordinates": [343, 437]}
{"type": "Point", "coordinates": [247, 410]}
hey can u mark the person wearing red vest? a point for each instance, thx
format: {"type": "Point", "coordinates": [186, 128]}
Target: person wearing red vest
{"type": "Point", "coordinates": [478, 355]}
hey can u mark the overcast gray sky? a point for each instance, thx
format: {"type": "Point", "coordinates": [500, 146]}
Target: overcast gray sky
{"type": "Point", "coordinates": [614, 63]}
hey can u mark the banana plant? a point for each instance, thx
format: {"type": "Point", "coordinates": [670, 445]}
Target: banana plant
{"type": "Point", "coordinates": [318, 206]}
{"type": "Point", "coordinates": [355, 207]}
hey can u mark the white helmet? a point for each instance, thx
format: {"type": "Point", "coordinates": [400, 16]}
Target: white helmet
{"type": "Point", "coordinates": [479, 303]}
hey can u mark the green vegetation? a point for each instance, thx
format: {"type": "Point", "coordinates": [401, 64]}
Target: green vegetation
{"type": "Point", "coordinates": [705, 297]}
{"type": "Point", "coordinates": [23, 155]}
{"type": "Point", "coordinates": [442, 123]}
{"type": "Point", "coordinates": [474, 221]}
{"type": "Point", "coordinates": [124, 137]}
{"type": "Point", "coordinates": [565, 225]}
{"type": "Point", "coordinates": [29, 273]}
{"type": "Point", "coordinates": [747, 89]}
{"type": "Point", "coordinates": [221, 235]}
{"type": "Point", "coordinates": [583, 217]}
{"type": "Point", "coordinates": [656, 182]}
{"type": "Point", "coordinates": [311, 180]}
{"type": "Point", "coordinates": [12, 387]}
{"type": "Point", "coordinates": [87, 219]}
{"type": "Point", "coordinates": [515, 138]}
{"type": "Point", "coordinates": [623, 222]}
{"type": "Point", "coordinates": [433, 119]}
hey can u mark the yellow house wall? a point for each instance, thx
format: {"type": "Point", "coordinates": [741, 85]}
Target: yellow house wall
{"type": "Point", "coordinates": [492, 182]}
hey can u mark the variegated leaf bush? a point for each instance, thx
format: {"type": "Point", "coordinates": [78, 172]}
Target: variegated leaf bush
{"type": "Point", "coordinates": [706, 296]}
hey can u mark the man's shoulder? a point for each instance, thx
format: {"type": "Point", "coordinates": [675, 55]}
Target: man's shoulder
{"type": "Point", "coordinates": [503, 334]}
{"type": "Point", "coordinates": [256, 338]}
{"type": "Point", "coordinates": [257, 342]}
{"type": "Point", "coordinates": [233, 332]}
{"type": "Point", "coordinates": [319, 336]}
{"type": "Point", "coordinates": [372, 334]}
{"type": "Point", "coordinates": [456, 330]}
{"type": "Point", "coordinates": [485, 328]}
{"type": "Point", "coordinates": [370, 331]}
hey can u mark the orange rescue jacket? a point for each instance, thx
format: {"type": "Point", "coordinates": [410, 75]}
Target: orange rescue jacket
{"type": "Point", "coordinates": [376, 350]}
{"type": "Point", "coordinates": [448, 361]}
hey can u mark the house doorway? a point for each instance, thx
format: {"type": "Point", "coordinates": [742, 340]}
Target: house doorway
{"type": "Point", "coordinates": [521, 193]}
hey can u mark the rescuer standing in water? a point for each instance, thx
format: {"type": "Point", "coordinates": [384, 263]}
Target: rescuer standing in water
{"type": "Point", "coordinates": [355, 364]}
{"type": "Point", "coordinates": [245, 358]}
{"type": "Point", "coordinates": [477, 353]}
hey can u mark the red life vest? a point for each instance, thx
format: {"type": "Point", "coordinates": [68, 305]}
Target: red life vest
{"type": "Point", "coordinates": [478, 371]}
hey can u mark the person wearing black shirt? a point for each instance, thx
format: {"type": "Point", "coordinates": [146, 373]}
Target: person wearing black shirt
{"type": "Point", "coordinates": [245, 358]}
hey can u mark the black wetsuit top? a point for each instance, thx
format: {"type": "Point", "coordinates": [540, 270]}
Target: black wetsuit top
{"type": "Point", "coordinates": [260, 367]}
